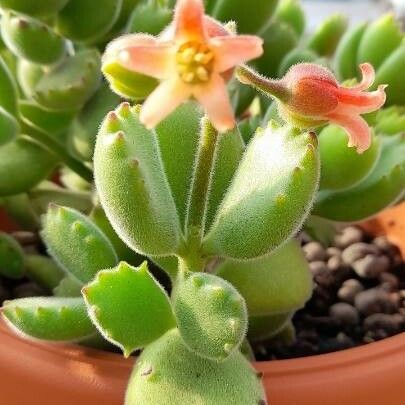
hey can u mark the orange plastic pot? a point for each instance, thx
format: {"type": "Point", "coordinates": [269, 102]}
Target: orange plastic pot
{"type": "Point", "coordinates": [34, 373]}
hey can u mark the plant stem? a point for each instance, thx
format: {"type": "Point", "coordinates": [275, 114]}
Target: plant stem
{"type": "Point", "coordinates": [60, 151]}
{"type": "Point", "coordinates": [197, 204]}
{"type": "Point", "coordinates": [269, 87]}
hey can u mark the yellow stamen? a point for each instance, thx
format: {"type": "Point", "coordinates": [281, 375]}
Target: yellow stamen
{"type": "Point", "coordinates": [195, 62]}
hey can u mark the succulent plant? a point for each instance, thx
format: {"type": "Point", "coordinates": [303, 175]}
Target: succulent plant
{"type": "Point", "coordinates": [214, 200]}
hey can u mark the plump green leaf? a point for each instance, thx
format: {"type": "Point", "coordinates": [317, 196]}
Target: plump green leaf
{"type": "Point", "coordinates": [28, 163]}
{"type": "Point", "coordinates": [85, 127]}
{"type": "Point", "coordinates": [124, 253]}
{"type": "Point", "coordinates": [390, 72]}
{"type": "Point", "coordinates": [211, 315]}
{"type": "Point", "coordinates": [346, 52]}
{"type": "Point", "coordinates": [48, 192]}
{"type": "Point", "coordinates": [43, 271]}
{"type": "Point", "coordinates": [277, 283]}
{"type": "Point", "coordinates": [31, 39]}
{"type": "Point", "coordinates": [279, 40]}
{"type": "Point", "coordinates": [9, 127]}
{"type": "Point", "coordinates": [52, 122]}
{"type": "Point", "coordinates": [35, 8]}
{"type": "Point", "coordinates": [69, 84]}
{"type": "Point", "coordinates": [150, 17]}
{"type": "Point", "coordinates": [250, 16]}
{"type": "Point", "coordinates": [276, 179]}
{"type": "Point", "coordinates": [128, 306]}
{"type": "Point", "coordinates": [76, 243]}
{"type": "Point", "coordinates": [382, 187]}
{"type": "Point", "coordinates": [87, 20]}
{"type": "Point", "coordinates": [230, 149]}
{"type": "Point", "coordinates": [343, 167]}
{"type": "Point", "coordinates": [68, 287]}
{"type": "Point", "coordinates": [379, 40]}
{"type": "Point", "coordinates": [132, 184]}
{"type": "Point", "coordinates": [49, 318]}
{"type": "Point", "coordinates": [28, 75]}
{"type": "Point", "coordinates": [267, 326]}
{"type": "Point", "coordinates": [291, 12]}
{"type": "Point", "coordinates": [167, 372]}
{"type": "Point", "coordinates": [178, 140]}
{"type": "Point", "coordinates": [11, 257]}
{"type": "Point", "coordinates": [327, 36]}
{"type": "Point", "coordinates": [8, 89]}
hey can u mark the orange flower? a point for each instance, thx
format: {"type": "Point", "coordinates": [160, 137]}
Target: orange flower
{"type": "Point", "coordinates": [310, 96]}
{"type": "Point", "coordinates": [191, 58]}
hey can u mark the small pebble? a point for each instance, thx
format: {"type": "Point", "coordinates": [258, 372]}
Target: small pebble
{"type": "Point", "coordinates": [314, 251]}
{"type": "Point", "coordinates": [349, 289]}
{"type": "Point", "coordinates": [371, 266]}
{"type": "Point", "coordinates": [349, 236]}
{"type": "Point", "coordinates": [389, 281]}
{"type": "Point", "coordinates": [345, 313]}
{"type": "Point", "coordinates": [333, 251]}
{"type": "Point", "coordinates": [388, 323]}
{"type": "Point", "coordinates": [357, 251]}
{"type": "Point", "coordinates": [335, 263]}
{"type": "Point", "coordinates": [374, 301]}
{"type": "Point", "coordinates": [318, 267]}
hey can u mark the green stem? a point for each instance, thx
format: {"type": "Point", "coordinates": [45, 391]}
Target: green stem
{"type": "Point", "coordinates": [270, 87]}
{"type": "Point", "coordinates": [198, 201]}
{"type": "Point", "coordinates": [60, 151]}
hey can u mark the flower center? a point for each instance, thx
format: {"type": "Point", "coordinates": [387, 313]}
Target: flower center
{"type": "Point", "coordinates": [195, 62]}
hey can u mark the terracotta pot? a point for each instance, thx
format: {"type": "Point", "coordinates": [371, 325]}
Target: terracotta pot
{"type": "Point", "coordinates": [374, 374]}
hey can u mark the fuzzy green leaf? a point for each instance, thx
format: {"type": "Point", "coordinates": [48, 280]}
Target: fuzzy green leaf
{"type": "Point", "coordinates": [132, 184]}
{"type": "Point", "coordinates": [267, 326]}
{"type": "Point", "coordinates": [276, 179]}
{"type": "Point", "coordinates": [49, 318]}
{"type": "Point", "coordinates": [68, 287]}
{"type": "Point", "coordinates": [178, 140]}
{"type": "Point", "coordinates": [211, 315]}
{"type": "Point", "coordinates": [229, 153]}
{"type": "Point", "coordinates": [76, 243]}
{"type": "Point", "coordinates": [279, 282]}
{"type": "Point", "coordinates": [167, 372]}
{"type": "Point", "coordinates": [128, 306]}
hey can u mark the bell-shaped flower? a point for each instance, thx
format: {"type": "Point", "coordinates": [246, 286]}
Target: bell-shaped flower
{"type": "Point", "coordinates": [192, 58]}
{"type": "Point", "coordinates": [310, 96]}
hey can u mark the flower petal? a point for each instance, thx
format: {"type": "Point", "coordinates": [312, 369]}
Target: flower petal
{"type": "Point", "coordinates": [155, 59]}
{"type": "Point", "coordinates": [165, 99]}
{"type": "Point", "coordinates": [356, 127]}
{"type": "Point", "coordinates": [215, 99]}
{"type": "Point", "coordinates": [234, 50]}
{"type": "Point", "coordinates": [368, 76]}
{"type": "Point", "coordinates": [362, 102]}
{"type": "Point", "coordinates": [189, 20]}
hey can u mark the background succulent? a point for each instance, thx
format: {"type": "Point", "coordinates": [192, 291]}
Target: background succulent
{"type": "Point", "coordinates": [217, 213]}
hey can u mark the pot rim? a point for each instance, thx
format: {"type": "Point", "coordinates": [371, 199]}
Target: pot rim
{"type": "Point", "coordinates": [341, 358]}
